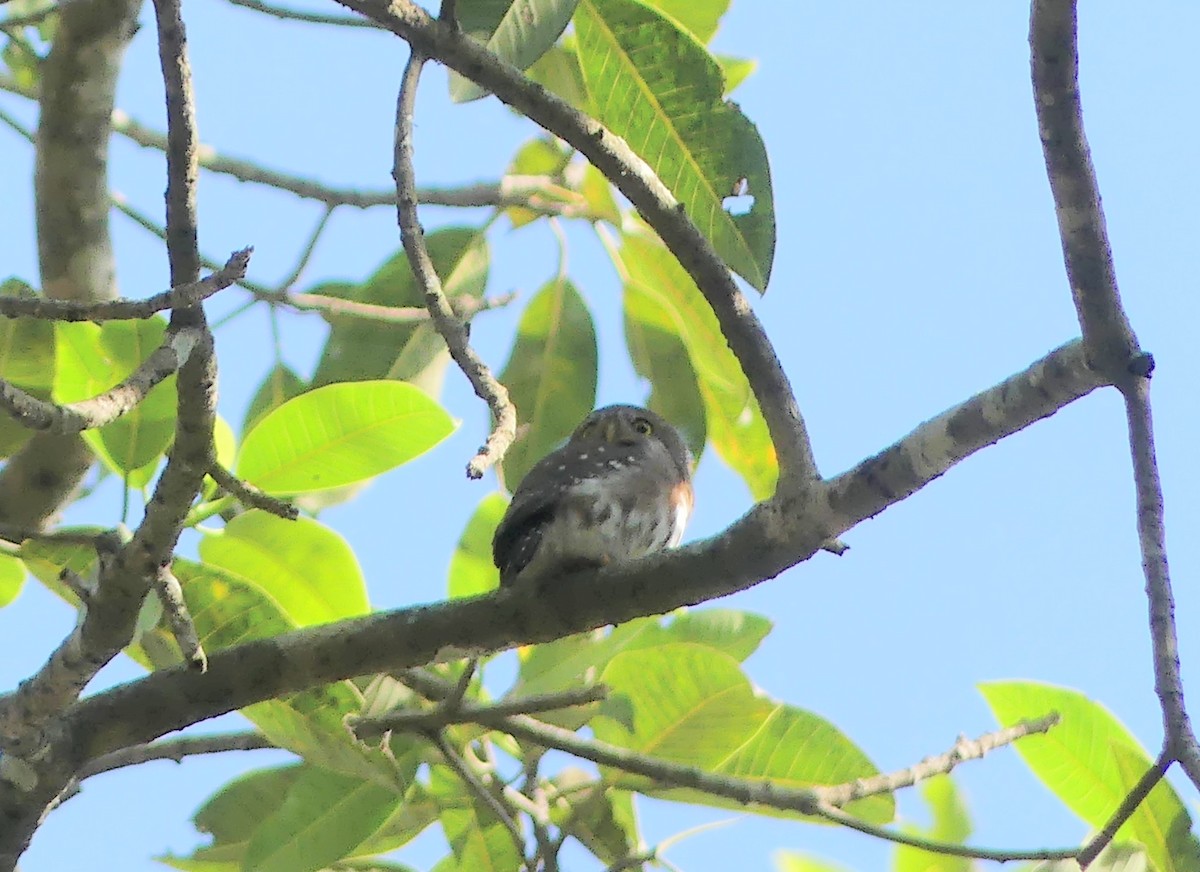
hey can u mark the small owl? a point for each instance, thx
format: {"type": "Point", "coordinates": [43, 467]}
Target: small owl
{"type": "Point", "coordinates": [618, 489]}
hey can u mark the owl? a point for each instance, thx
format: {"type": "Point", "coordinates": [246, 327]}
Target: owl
{"type": "Point", "coordinates": [618, 489]}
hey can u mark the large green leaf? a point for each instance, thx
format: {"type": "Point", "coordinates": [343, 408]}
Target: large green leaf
{"type": "Point", "coordinates": [233, 813]}
{"type": "Point", "coordinates": [661, 357]}
{"type": "Point", "coordinates": [699, 17]}
{"type": "Point", "coordinates": [600, 817]}
{"type": "Point", "coordinates": [1161, 823]}
{"type": "Point", "coordinates": [656, 283]}
{"type": "Point", "coordinates": [950, 824]}
{"type": "Point", "coordinates": [691, 704]}
{"type": "Point", "coordinates": [361, 348]}
{"type": "Point", "coordinates": [472, 571]}
{"type": "Point", "coordinates": [516, 31]}
{"type": "Point", "coordinates": [323, 819]}
{"type": "Point", "coordinates": [558, 72]}
{"type": "Point", "coordinates": [229, 609]}
{"type": "Point", "coordinates": [790, 861]}
{"type": "Point", "coordinates": [90, 359]}
{"type": "Point", "coordinates": [1090, 761]}
{"type": "Point", "coordinates": [26, 360]}
{"type": "Point", "coordinates": [656, 86]}
{"type": "Point", "coordinates": [309, 570]}
{"type": "Point", "coordinates": [341, 434]}
{"type": "Point", "coordinates": [550, 375]}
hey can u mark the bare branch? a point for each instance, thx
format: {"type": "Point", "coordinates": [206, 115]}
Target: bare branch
{"type": "Point", "coordinates": [250, 496]}
{"type": "Point", "coordinates": [107, 407]}
{"type": "Point", "coordinates": [610, 154]}
{"type": "Point", "coordinates": [309, 17]}
{"type": "Point", "coordinates": [1112, 346]}
{"type": "Point", "coordinates": [478, 789]}
{"type": "Point", "coordinates": [1055, 67]}
{"type": "Point", "coordinates": [964, 749]}
{"type": "Point", "coordinates": [486, 386]}
{"type": "Point", "coordinates": [421, 721]}
{"type": "Point", "coordinates": [905, 467]}
{"type": "Point", "coordinates": [175, 749]}
{"type": "Point", "coordinates": [170, 594]}
{"type": "Point", "coordinates": [188, 294]}
{"type": "Point", "coordinates": [1089, 852]}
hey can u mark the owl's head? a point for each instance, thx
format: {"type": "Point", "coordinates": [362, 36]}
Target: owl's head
{"type": "Point", "coordinates": [631, 426]}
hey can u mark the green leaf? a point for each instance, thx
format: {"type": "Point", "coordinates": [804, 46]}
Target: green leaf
{"type": "Point", "coordinates": [341, 434]}
{"type": "Point", "coordinates": [736, 70]}
{"type": "Point", "coordinates": [658, 88]}
{"type": "Point", "coordinates": [558, 72]}
{"type": "Point", "coordinates": [472, 571]}
{"type": "Point", "coordinates": [655, 282]}
{"type": "Point", "coordinates": [46, 559]}
{"type": "Point", "coordinates": [12, 578]}
{"type": "Point", "coordinates": [661, 357]}
{"type": "Point", "coordinates": [1090, 761]}
{"type": "Point", "coordinates": [522, 33]}
{"type": "Point", "coordinates": [1161, 823]}
{"type": "Point", "coordinates": [950, 824]}
{"type": "Point", "coordinates": [550, 375]}
{"type": "Point", "coordinates": [26, 344]}
{"type": "Point", "coordinates": [479, 841]}
{"type": "Point", "coordinates": [280, 385]}
{"type": "Point", "coordinates": [692, 705]}
{"type": "Point", "coordinates": [232, 814]}
{"type": "Point", "coordinates": [227, 610]}
{"type": "Point", "coordinates": [92, 358]}
{"type": "Point", "coordinates": [600, 817]}
{"type": "Point", "coordinates": [791, 861]}
{"type": "Point", "coordinates": [323, 819]}
{"type": "Point", "coordinates": [698, 17]}
{"type": "Point", "coordinates": [309, 570]}
{"type": "Point", "coordinates": [417, 813]}
{"type": "Point", "coordinates": [362, 349]}
{"type": "Point", "coordinates": [541, 156]}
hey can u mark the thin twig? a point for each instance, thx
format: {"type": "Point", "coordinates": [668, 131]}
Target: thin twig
{"type": "Point", "coordinates": [175, 749]}
{"type": "Point", "coordinates": [250, 496]}
{"type": "Point", "coordinates": [308, 17]}
{"type": "Point", "coordinates": [964, 749]}
{"type": "Point", "coordinates": [170, 594]}
{"type": "Point", "coordinates": [189, 294]}
{"type": "Point", "coordinates": [28, 19]}
{"type": "Point", "coordinates": [103, 409]}
{"type": "Point", "coordinates": [17, 535]}
{"type": "Point", "coordinates": [486, 386]}
{"type": "Point", "coordinates": [478, 788]}
{"type": "Point", "coordinates": [1089, 852]}
{"type": "Point", "coordinates": [464, 713]}
{"type": "Point", "coordinates": [307, 253]}
{"type": "Point", "coordinates": [810, 800]}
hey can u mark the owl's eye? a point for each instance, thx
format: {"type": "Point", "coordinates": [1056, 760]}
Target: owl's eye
{"type": "Point", "coordinates": [643, 426]}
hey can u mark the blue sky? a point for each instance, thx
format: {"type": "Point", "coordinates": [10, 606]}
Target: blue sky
{"type": "Point", "coordinates": [918, 262]}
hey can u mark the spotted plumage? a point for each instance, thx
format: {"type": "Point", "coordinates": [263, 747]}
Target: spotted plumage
{"type": "Point", "coordinates": [618, 489]}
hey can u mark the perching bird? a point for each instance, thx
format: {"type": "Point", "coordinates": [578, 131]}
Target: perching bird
{"type": "Point", "coordinates": [618, 489]}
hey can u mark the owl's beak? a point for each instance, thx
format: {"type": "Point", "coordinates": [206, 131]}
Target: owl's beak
{"type": "Point", "coordinates": [620, 432]}
{"type": "Point", "coordinates": [611, 427]}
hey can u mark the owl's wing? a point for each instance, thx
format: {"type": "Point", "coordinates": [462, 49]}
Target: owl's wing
{"type": "Point", "coordinates": [520, 530]}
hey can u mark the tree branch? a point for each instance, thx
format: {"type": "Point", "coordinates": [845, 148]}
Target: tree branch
{"type": "Point", "coordinates": [900, 470]}
{"type": "Point", "coordinates": [175, 749]}
{"type": "Point", "coordinates": [107, 407]}
{"type": "Point", "coordinates": [964, 749]}
{"type": "Point", "coordinates": [75, 257]}
{"type": "Point", "coordinates": [740, 557]}
{"type": "Point", "coordinates": [1054, 60]}
{"type": "Point", "coordinates": [308, 17]}
{"type": "Point", "coordinates": [250, 496]}
{"type": "Point", "coordinates": [613, 157]}
{"type": "Point", "coordinates": [179, 619]}
{"type": "Point", "coordinates": [486, 386]}
{"type": "Point", "coordinates": [188, 294]}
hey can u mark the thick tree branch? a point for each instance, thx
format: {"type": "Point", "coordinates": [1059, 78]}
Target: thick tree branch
{"type": "Point", "coordinates": [613, 157]}
{"type": "Point", "coordinates": [1113, 348]}
{"type": "Point", "coordinates": [189, 294]}
{"type": "Point", "coordinates": [1059, 378]}
{"type": "Point", "coordinates": [486, 386]}
{"type": "Point", "coordinates": [107, 407]}
{"type": "Point", "coordinates": [75, 256]}
{"type": "Point", "coordinates": [1055, 67]}
{"type": "Point", "coordinates": [744, 555]}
